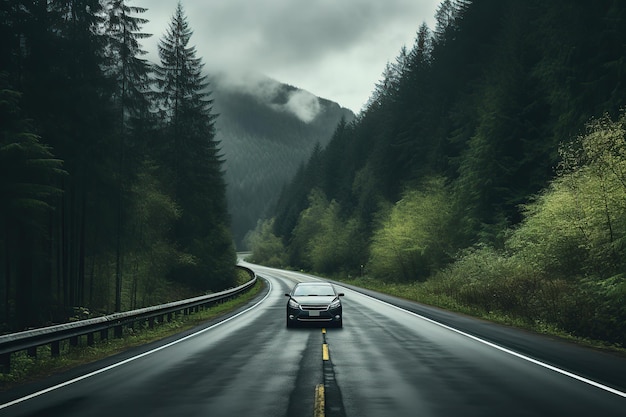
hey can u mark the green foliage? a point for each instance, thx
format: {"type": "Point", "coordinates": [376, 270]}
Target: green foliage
{"type": "Point", "coordinates": [335, 245]}
{"type": "Point", "coordinates": [307, 228]}
{"type": "Point", "coordinates": [150, 252]}
{"type": "Point", "coordinates": [413, 239]}
{"type": "Point", "coordinates": [324, 241]}
{"type": "Point", "coordinates": [578, 226]}
{"type": "Point", "coordinates": [266, 247]}
{"type": "Point", "coordinates": [564, 264]}
{"type": "Point", "coordinates": [27, 166]}
{"type": "Point", "coordinates": [490, 281]}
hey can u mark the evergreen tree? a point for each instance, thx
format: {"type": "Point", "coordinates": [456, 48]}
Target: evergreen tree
{"type": "Point", "coordinates": [192, 158]}
{"type": "Point", "coordinates": [82, 137]}
{"type": "Point", "coordinates": [338, 166]}
{"type": "Point", "coordinates": [59, 60]}
{"type": "Point", "coordinates": [132, 79]}
{"type": "Point", "coordinates": [28, 172]}
{"type": "Point", "coordinates": [415, 150]}
{"type": "Point", "coordinates": [124, 63]}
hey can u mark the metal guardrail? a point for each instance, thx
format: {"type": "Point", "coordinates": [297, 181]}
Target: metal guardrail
{"type": "Point", "coordinates": [30, 340]}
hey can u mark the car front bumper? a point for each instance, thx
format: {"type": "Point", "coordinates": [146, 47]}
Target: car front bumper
{"type": "Point", "coordinates": [306, 315]}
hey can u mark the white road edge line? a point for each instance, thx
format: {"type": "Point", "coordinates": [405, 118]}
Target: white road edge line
{"type": "Point", "coordinates": [115, 365]}
{"type": "Point", "coordinates": [503, 349]}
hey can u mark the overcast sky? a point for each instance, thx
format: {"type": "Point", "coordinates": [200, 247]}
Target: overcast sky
{"type": "Point", "coordinates": [336, 49]}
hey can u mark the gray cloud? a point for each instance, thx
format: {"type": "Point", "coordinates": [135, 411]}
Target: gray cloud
{"type": "Point", "coordinates": [336, 49]}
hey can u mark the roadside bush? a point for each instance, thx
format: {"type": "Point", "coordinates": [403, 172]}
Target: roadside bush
{"type": "Point", "coordinates": [413, 240]}
{"type": "Point", "coordinates": [494, 283]}
{"type": "Point", "coordinates": [598, 310]}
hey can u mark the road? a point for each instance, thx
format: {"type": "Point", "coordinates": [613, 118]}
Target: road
{"type": "Point", "coordinates": [385, 361]}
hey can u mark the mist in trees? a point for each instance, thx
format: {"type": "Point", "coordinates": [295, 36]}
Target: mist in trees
{"type": "Point", "coordinates": [473, 169]}
{"type": "Point", "coordinates": [264, 143]}
{"type": "Point", "coordinates": [112, 188]}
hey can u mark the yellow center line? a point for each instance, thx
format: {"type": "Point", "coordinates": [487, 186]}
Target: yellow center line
{"type": "Point", "coordinates": [320, 398]}
{"type": "Point", "coordinates": [319, 401]}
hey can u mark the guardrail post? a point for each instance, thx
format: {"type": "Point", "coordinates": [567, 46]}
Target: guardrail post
{"type": "Point", "coordinates": [32, 351]}
{"type": "Point", "coordinates": [104, 334]}
{"type": "Point", "coordinates": [5, 363]}
{"type": "Point", "coordinates": [117, 331]}
{"type": "Point", "coordinates": [74, 341]}
{"type": "Point", "coordinates": [90, 337]}
{"type": "Point", "coordinates": [55, 348]}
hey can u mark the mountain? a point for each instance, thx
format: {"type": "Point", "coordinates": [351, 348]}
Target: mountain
{"type": "Point", "coordinates": [267, 130]}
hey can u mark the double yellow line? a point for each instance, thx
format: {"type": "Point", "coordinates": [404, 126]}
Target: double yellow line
{"type": "Point", "coordinates": [320, 398]}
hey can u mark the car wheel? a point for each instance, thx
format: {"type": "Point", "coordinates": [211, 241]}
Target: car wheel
{"type": "Point", "coordinates": [339, 324]}
{"type": "Point", "coordinates": [290, 324]}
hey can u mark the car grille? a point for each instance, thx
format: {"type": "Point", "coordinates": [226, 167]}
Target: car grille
{"type": "Point", "coordinates": [322, 307]}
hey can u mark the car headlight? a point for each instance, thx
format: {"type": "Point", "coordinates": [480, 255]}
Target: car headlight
{"type": "Point", "coordinates": [293, 304]}
{"type": "Point", "coordinates": [336, 303]}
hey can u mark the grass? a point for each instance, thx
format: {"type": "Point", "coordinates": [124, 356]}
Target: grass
{"type": "Point", "coordinates": [26, 369]}
{"type": "Point", "coordinates": [420, 292]}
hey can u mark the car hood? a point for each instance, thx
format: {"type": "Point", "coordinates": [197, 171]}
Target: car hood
{"type": "Point", "coordinates": [315, 300]}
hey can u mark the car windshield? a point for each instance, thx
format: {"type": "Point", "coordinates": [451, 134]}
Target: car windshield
{"type": "Point", "coordinates": [313, 290]}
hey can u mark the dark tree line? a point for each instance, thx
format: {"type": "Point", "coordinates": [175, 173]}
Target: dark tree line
{"type": "Point", "coordinates": [453, 163]}
{"type": "Point", "coordinates": [483, 100]}
{"type": "Point", "coordinates": [112, 191]}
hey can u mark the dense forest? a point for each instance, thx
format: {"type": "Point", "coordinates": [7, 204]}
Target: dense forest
{"type": "Point", "coordinates": [488, 168]}
{"type": "Point", "coordinates": [111, 180]}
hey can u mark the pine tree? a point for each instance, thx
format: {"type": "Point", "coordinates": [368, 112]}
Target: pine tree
{"type": "Point", "coordinates": [124, 63]}
{"type": "Point", "coordinates": [445, 16]}
{"type": "Point", "coordinates": [58, 67]}
{"type": "Point", "coordinates": [28, 171]}
{"type": "Point", "coordinates": [192, 156]}
{"type": "Point", "coordinates": [132, 79]}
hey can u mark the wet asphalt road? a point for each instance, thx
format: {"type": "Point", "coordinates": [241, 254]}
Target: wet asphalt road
{"type": "Point", "coordinates": [385, 361]}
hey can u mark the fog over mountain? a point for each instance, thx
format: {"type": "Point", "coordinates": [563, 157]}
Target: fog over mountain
{"type": "Point", "coordinates": [267, 130]}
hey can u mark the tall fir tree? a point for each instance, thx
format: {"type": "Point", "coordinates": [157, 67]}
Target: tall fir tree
{"type": "Point", "coordinates": [28, 172]}
{"type": "Point", "coordinates": [131, 74]}
{"type": "Point", "coordinates": [192, 157]}
{"type": "Point", "coordinates": [124, 58]}
{"type": "Point", "coordinates": [55, 59]}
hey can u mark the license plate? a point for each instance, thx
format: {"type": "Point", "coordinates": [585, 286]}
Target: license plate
{"type": "Point", "coordinates": [314, 313]}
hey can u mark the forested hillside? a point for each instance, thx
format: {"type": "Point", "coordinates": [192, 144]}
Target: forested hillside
{"type": "Point", "coordinates": [266, 131]}
{"type": "Point", "coordinates": [487, 169]}
{"type": "Point", "coordinates": [112, 193]}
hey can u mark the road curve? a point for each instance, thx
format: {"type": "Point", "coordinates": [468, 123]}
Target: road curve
{"type": "Point", "coordinates": [385, 361]}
